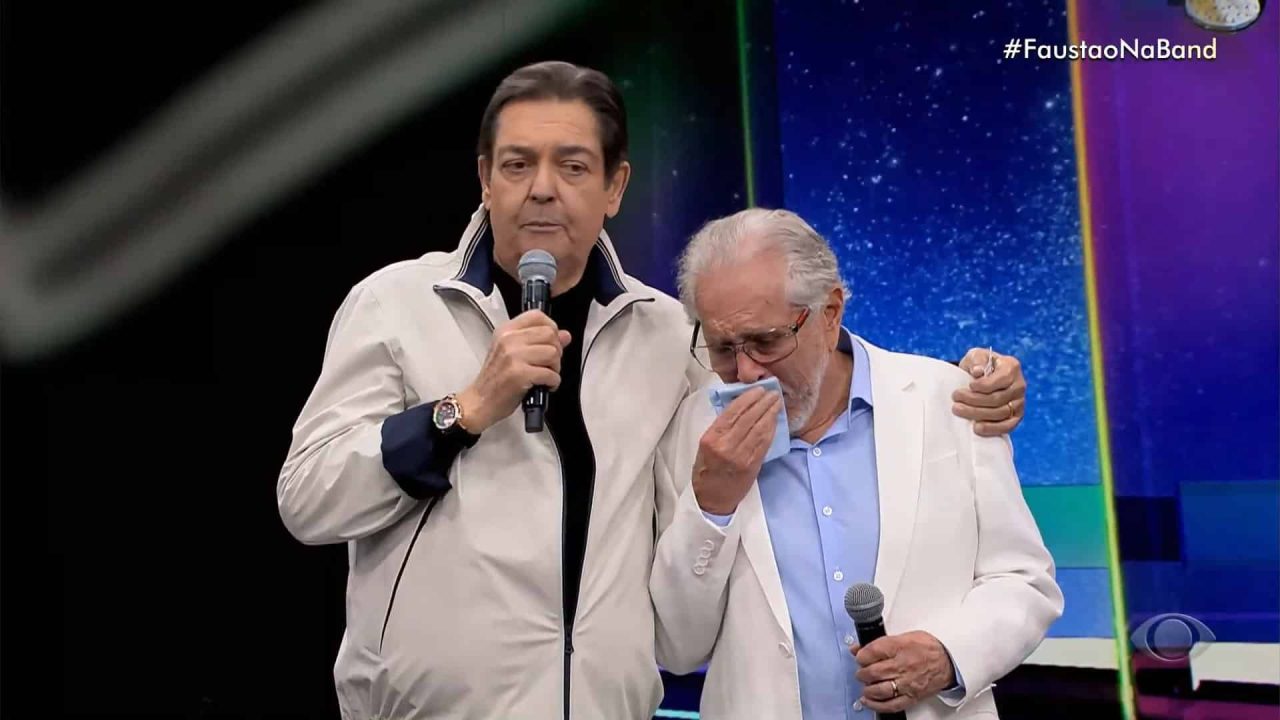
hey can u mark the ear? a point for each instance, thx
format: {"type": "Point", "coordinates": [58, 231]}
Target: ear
{"type": "Point", "coordinates": [833, 315]}
{"type": "Point", "coordinates": [483, 167]}
{"type": "Point", "coordinates": [617, 185]}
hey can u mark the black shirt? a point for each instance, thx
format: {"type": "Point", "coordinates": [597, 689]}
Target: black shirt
{"type": "Point", "coordinates": [564, 422]}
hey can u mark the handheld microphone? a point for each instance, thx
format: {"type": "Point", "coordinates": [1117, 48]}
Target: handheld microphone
{"type": "Point", "coordinates": [865, 604]}
{"type": "Point", "coordinates": [537, 270]}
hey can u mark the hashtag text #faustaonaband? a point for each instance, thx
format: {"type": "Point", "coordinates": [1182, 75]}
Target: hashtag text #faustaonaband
{"type": "Point", "coordinates": [1162, 49]}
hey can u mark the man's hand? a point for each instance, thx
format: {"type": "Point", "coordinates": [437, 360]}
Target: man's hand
{"type": "Point", "coordinates": [996, 402]}
{"type": "Point", "coordinates": [732, 450]}
{"type": "Point", "coordinates": [914, 663]}
{"type": "Point", "coordinates": [525, 352]}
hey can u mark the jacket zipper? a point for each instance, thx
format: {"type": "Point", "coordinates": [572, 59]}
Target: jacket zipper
{"type": "Point", "coordinates": [564, 528]}
{"type": "Point", "coordinates": [564, 504]}
{"type": "Point", "coordinates": [564, 512]}
{"type": "Point", "coordinates": [568, 636]}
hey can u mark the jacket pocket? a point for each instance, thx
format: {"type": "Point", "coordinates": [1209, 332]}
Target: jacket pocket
{"type": "Point", "coordinates": [391, 601]}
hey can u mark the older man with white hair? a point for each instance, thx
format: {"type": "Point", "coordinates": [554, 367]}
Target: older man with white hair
{"type": "Point", "coordinates": [881, 483]}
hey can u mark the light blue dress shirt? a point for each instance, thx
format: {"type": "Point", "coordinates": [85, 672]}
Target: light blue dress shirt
{"type": "Point", "coordinates": [825, 496]}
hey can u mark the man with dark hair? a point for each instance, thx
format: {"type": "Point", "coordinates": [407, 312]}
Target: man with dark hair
{"type": "Point", "coordinates": [494, 572]}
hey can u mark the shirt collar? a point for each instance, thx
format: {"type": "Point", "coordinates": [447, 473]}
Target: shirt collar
{"type": "Point", "coordinates": [859, 383]}
{"type": "Point", "coordinates": [478, 266]}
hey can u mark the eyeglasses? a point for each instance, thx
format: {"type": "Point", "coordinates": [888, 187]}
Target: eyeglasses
{"type": "Point", "coordinates": [766, 347]}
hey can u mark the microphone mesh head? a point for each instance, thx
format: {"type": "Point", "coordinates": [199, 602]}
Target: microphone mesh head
{"type": "Point", "coordinates": [864, 602]}
{"type": "Point", "coordinates": [537, 264]}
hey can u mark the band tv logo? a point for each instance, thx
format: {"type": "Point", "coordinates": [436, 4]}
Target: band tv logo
{"type": "Point", "coordinates": [1172, 637]}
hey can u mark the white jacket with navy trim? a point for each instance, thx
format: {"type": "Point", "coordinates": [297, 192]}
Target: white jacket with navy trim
{"type": "Point", "coordinates": [475, 629]}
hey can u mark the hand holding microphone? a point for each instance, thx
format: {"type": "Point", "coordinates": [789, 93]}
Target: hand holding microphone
{"type": "Point", "coordinates": [524, 358]}
{"type": "Point", "coordinates": [537, 270]}
{"type": "Point", "coordinates": [897, 671]}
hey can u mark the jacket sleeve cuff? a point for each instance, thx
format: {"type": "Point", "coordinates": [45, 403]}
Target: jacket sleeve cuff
{"type": "Point", "coordinates": [956, 636]}
{"type": "Point", "coordinates": [954, 695]}
{"type": "Point", "coordinates": [416, 455]}
{"type": "Point", "coordinates": [720, 521]}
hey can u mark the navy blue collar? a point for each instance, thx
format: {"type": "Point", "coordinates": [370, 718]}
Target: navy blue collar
{"type": "Point", "coordinates": [844, 343]}
{"type": "Point", "coordinates": [478, 267]}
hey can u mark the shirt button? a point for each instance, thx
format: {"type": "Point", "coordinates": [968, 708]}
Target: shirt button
{"type": "Point", "coordinates": [848, 639]}
{"type": "Point", "coordinates": [857, 706]}
{"type": "Point", "coordinates": [817, 452]}
{"type": "Point", "coordinates": [827, 511]}
{"type": "Point", "coordinates": [838, 576]}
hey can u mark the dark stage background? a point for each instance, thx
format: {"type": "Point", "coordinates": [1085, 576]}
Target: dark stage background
{"type": "Point", "coordinates": [146, 571]}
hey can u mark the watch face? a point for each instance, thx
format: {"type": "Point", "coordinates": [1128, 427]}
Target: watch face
{"type": "Point", "coordinates": [445, 415]}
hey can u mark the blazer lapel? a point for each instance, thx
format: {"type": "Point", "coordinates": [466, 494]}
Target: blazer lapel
{"type": "Point", "coordinates": [755, 541]}
{"type": "Point", "coordinates": [899, 438]}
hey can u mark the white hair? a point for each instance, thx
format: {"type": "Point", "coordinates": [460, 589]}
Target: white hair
{"type": "Point", "coordinates": [812, 269]}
